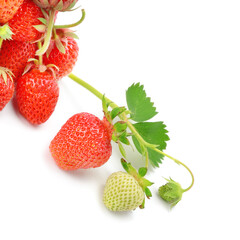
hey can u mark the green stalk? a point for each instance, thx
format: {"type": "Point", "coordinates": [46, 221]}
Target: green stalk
{"type": "Point", "coordinates": [130, 126]}
{"type": "Point", "coordinates": [178, 162]}
{"type": "Point", "coordinates": [73, 24]}
{"type": "Point", "coordinates": [40, 57]}
{"type": "Point", "coordinates": [48, 36]}
{"type": "Point", "coordinates": [91, 89]}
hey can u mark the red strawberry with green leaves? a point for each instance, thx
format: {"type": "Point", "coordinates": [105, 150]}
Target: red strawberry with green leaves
{"type": "Point", "coordinates": [8, 8]}
{"type": "Point", "coordinates": [37, 95]}
{"type": "Point", "coordinates": [6, 87]}
{"type": "Point", "coordinates": [14, 55]}
{"type": "Point", "coordinates": [64, 57]}
{"type": "Point", "coordinates": [84, 141]}
{"type": "Point", "coordinates": [23, 22]}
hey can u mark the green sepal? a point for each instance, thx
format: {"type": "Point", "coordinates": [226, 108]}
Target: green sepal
{"type": "Point", "coordinates": [116, 111]}
{"type": "Point", "coordinates": [142, 206]}
{"type": "Point", "coordinates": [40, 28]}
{"type": "Point", "coordinates": [142, 171]}
{"type": "Point", "coordinates": [120, 126]}
{"type": "Point", "coordinates": [105, 106]}
{"type": "Point", "coordinates": [60, 46]}
{"type": "Point", "coordinates": [148, 193]}
{"type": "Point", "coordinates": [125, 165]}
{"type": "Point", "coordinates": [71, 35]}
{"type": "Point", "coordinates": [43, 20]}
{"type": "Point", "coordinates": [44, 13]}
{"type": "Point", "coordinates": [59, 6]}
{"type": "Point", "coordinates": [143, 182]}
{"type": "Point", "coordinates": [114, 138]}
{"type": "Point", "coordinates": [123, 138]}
{"type": "Point", "coordinates": [5, 73]}
{"type": "Point", "coordinates": [70, 8]}
{"type": "Point", "coordinates": [5, 32]}
{"type": "Point", "coordinates": [122, 150]}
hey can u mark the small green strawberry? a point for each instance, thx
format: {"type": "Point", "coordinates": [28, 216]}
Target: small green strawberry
{"type": "Point", "coordinates": [171, 192]}
{"type": "Point", "coordinates": [126, 191]}
{"type": "Point", "coordinates": [122, 192]}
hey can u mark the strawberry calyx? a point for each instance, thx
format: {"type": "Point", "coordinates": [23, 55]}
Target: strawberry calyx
{"type": "Point", "coordinates": [119, 132]}
{"type": "Point", "coordinates": [60, 40]}
{"type": "Point", "coordinates": [139, 176]}
{"type": "Point", "coordinates": [34, 63]}
{"type": "Point", "coordinates": [5, 73]}
{"type": "Point", "coordinates": [5, 33]}
{"type": "Point", "coordinates": [60, 5]}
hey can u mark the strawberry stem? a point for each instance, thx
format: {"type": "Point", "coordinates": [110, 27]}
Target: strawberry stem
{"type": "Point", "coordinates": [40, 56]}
{"type": "Point", "coordinates": [123, 117]}
{"type": "Point", "coordinates": [48, 36]}
{"type": "Point", "coordinates": [73, 24]}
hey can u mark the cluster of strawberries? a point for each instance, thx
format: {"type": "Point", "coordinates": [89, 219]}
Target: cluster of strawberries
{"type": "Point", "coordinates": [34, 55]}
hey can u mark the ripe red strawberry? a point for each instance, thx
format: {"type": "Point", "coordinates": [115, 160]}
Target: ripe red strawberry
{"type": "Point", "coordinates": [8, 8]}
{"type": "Point", "coordinates": [6, 87]}
{"type": "Point", "coordinates": [83, 142]}
{"type": "Point", "coordinates": [23, 21]}
{"type": "Point", "coordinates": [64, 61]}
{"type": "Point", "coordinates": [14, 56]}
{"type": "Point", "coordinates": [37, 95]}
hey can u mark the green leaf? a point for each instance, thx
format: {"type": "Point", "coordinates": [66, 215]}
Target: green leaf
{"type": "Point", "coordinates": [153, 133]}
{"type": "Point", "coordinates": [139, 104]}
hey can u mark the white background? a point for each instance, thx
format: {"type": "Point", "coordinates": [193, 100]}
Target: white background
{"type": "Point", "coordinates": [187, 55]}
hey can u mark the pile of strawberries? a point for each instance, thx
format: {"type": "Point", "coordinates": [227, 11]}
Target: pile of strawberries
{"type": "Point", "coordinates": [34, 55]}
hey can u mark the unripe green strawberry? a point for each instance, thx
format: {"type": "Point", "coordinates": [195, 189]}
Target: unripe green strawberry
{"type": "Point", "coordinates": [171, 192]}
{"type": "Point", "coordinates": [122, 192]}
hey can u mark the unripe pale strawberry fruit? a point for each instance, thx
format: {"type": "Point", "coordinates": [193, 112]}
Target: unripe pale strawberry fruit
{"type": "Point", "coordinates": [84, 141]}
{"type": "Point", "coordinates": [122, 192]}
